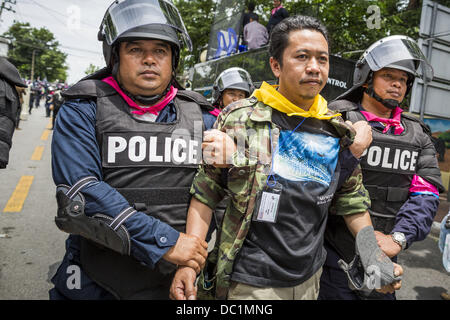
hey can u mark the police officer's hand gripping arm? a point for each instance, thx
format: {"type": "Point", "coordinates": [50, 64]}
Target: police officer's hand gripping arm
{"type": "Point", "coordinates": [144, 68]}
{"type": "Point", "coordinates": [230, 86]}
{"type": "Point", "coordinates": [386, 73]}
{"type": "Point", "coordinates": [199, 217]}
{"type": "Point", "coordinates": [359, 224]}
{"type": "Point", "coordinates": [218, 149]}
{"type": "Point", "coordinates": [415, 217]}
{"type": "Point", "coordinates": [189, 251]}
{"type": "Point", "coordinates": [363, 138]}
{"type": "Point", "coordinates": [379, 270]}
{"type": "Point", "coordinates": [76, 156]}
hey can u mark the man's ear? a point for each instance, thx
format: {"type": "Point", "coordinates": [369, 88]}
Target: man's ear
{"type": "Point", "coordinates": [276, 67]}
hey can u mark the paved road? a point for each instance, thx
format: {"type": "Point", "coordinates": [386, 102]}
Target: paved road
{"type": "Point", "coordinates": [33, 242]}
{"type": "Point", "coordinates": [34, 245]}
{"type": "Point", "coordinates": [424, 276]}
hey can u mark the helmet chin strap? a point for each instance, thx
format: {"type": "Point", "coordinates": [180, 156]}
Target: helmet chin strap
{"type": "Point", "coordinates": [388, 103]}
{"type": "Point", "coordinates": [141, 100]}
{"type": "Point", "coordinates": [146, 100]}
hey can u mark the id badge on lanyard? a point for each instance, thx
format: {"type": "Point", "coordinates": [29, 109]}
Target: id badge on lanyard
{"type": "Point", "coordinates": [268, 203]}
{"type": "Point", "coordinates": [268, 199]}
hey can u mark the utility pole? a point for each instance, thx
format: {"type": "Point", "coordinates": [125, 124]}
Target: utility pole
{"type": "Point", "coordinates": [24, 114]}
{"type": "Point", "coordinates": [32, 65]}
{"type": "Point", "coordinates": [4, 6]}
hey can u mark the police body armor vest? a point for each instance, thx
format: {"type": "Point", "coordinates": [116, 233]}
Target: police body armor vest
{"type": "Point", "coordinates": [388, 165]}
{"type": "Point", "coordinates": [152, 165]}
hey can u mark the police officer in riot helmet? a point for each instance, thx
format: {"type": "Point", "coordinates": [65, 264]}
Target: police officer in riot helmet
{"type": "Point", "coordinates": [9, 107]}
{"type": "Point", "coordinates": [126, 146]}
{"type": "Point", "coordinates": [400, 169]}
{"type": "Point", "coordinates": [231, 85]}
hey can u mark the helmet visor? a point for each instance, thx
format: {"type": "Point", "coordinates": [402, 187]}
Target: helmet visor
{"type": "Point", "coordinates": [396, 50]}
{"type": "Point", "coordinates": [124, 15]}
{"type": "Point", "coordinates": [236, 79]}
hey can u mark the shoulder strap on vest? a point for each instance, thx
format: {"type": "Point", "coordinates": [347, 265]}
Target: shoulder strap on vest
{"type": "Point", "coordinates": [244, 103]}
{"type": "Point", "coordinates": [10, 73]}
{"type": "Point", "coordinates": [412, 118]}
{"type": "Point", "coordinates": [88, 89]}
{"type": "Point", "coordinates": [98, 75]}
{"type": "Point", "coordinates": [347, 108]}
{"type": "Point", "coordinates": [342, 106]}
{"type": "Point", "coordinates": [195, 97]}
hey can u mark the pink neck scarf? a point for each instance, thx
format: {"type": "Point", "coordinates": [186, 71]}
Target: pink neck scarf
{"type": "Point", "coordinates": [276, 9]}
{"type": "Point", "coordinates": [393, 122]}
{"type": "Point", "coordinates": [215, 112]}
{"type": "Point", "coordinates": [141, 110]}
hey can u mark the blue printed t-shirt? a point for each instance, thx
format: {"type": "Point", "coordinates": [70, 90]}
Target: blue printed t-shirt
{"type": "Point", "coordinates": [288, 252]}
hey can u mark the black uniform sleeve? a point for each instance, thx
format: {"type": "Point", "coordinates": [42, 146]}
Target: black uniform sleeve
{"type": "Point", "coordinates": [9, 108]}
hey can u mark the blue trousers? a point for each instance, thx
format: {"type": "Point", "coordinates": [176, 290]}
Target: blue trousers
{"type": "Point", "coordinates": [70, 267]}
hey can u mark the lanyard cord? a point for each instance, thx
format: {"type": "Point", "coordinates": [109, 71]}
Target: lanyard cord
{"type": "Point", "coordinates": [271, 174]}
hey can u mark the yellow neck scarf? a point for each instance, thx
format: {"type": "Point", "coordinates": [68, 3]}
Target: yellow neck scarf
{"type": "Point", "coordinates": [271, 97]}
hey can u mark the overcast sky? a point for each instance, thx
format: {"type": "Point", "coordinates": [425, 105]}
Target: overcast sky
{"type": "Point", "coordinates": [74, 23]}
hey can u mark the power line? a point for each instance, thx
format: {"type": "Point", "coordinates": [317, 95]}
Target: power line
{"type": "Point", "coordinates": [64, 47]}
{"type": "Point", "coordinates": [79, 49]}
{"type": "Point", "coordinates": [20, 13]}
{"type": "Point", "coordinates": [58, 13]}
{"type": "Point", "coordinates": [4, 7]}
{"type": "Point", "coordinates": [68, 47]}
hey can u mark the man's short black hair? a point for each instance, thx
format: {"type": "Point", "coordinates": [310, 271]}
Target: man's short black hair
{"type": "Point", "coordinates": [253, 16]}
{"type": "Point", "coordinates": [279, 37]}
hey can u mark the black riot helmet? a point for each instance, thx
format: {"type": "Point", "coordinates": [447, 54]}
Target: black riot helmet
{"type": "Point", "coordinates": [142, 19]}
{"type": "Point", "coordinates": [127, 20]}
{"type": "Point", "coordinates": [396, 52]}
{"type": "Point", "coordinates": [232, 78]}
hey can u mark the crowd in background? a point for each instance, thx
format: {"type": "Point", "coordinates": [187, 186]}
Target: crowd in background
{"type": "Point", "coordinates": [42, 91]}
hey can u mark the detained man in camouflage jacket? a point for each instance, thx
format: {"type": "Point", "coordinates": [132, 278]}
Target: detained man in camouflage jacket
{"type": "Point", "coordinates": [292, 159]}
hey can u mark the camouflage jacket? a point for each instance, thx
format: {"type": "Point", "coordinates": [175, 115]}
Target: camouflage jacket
{"type": "Point", "coordinates": [248, 121]}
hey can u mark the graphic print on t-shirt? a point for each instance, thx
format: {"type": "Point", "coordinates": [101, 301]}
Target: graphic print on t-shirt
{"type": "Point", "coordinates": [303, 156]}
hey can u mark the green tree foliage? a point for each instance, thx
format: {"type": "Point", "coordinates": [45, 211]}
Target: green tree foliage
{"type": "Point", "coordinates": [50, 62]}
{"type": "Point", "coordinates": [198, 16]}
{"type": "Point", "coordinates": [91, 69]}
{"type": "Point", "coordinates": [352, 26]}
{"type": "Point", "coordinates": [355, 25]}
